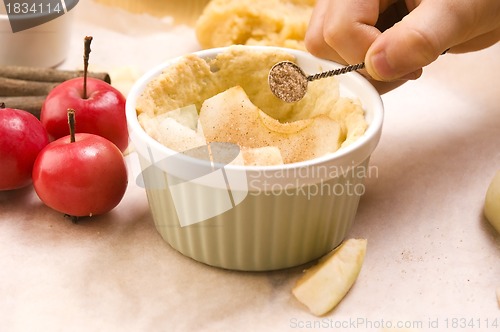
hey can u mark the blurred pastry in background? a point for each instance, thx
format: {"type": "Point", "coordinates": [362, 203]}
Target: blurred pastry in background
{"type": "Point", "coordinates": [182, 12]}
{"type": "Point", "coordinates": [254, 22]}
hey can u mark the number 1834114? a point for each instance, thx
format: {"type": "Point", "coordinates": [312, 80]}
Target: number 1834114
{"type": "Point", "coordinates": [472, 323]}
{"type": "Point", "coordinates": [34, 8]}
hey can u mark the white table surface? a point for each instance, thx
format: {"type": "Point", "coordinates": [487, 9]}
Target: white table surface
{"type": "Point", "coordinates": [432, 259]}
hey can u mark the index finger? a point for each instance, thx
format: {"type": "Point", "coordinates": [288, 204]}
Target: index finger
{"type": "Point", "coordinates": [314, 39]}
{"type": "Point", "coordinates": [349, 27]}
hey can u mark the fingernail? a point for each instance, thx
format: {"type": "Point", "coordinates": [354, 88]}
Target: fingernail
{"type": "Point", "coordinates": [379, 67]}
{"type": "Point", "coordinates": [382, 70]}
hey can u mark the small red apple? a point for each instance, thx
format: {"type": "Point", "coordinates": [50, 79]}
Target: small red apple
{"type": "Point", "coordinates": [22, 137]}
{"type": "Point", "coordinates": [101, 111]}
{"type": "Point", "coordinates": [80, 175]}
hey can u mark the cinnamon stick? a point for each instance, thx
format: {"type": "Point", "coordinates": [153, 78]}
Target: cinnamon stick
{"type": "Point", "coordinates": [32, 104]}
{"type": "Point", "coordinates": [14, 87]}
{"type": "Point", "coordinates": [47, 74]}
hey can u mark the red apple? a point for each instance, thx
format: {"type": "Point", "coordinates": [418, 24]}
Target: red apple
{"type": "Point", "coordinates": [82, 178]}
{"type": "Point", "coordinates": [22, 137]}
{"type": "Point", "coordinates": [100, 112]}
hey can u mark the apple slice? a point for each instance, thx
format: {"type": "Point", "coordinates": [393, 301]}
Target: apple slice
{"type": "Point", "coordinates": [177, 129]}
{"type": "Point", "coordinates": [324, 285]}
{"type": "Point", "coordinates": [265, 156]}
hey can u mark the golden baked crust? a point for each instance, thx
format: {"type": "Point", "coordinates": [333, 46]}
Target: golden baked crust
{"type": "Point", "coordinates": [254, 22]}
{"type": "Point", "coordinates": [193, 80]}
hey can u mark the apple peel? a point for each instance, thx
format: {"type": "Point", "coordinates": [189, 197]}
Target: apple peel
{"type": "Point", "coordinates": [492, 202]}
{"type": "Point", "coordinates": [498, 296]}
{"type": "Point", "coordinates": [324, 285]}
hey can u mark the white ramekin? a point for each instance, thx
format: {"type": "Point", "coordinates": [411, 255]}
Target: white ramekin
{"type": "Point", "coordinates": [282, 216]}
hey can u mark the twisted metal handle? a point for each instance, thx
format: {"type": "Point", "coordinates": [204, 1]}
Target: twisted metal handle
{"type": "Point", "coordinates": [334, 72]}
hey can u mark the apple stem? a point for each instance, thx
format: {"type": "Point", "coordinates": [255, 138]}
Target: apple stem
{"type": "Point", "coordinates": [2, 105]}
{"type": "Point", "coordinates": [86, 54]}
{"type": "Point", "coordinates": [71, 123]}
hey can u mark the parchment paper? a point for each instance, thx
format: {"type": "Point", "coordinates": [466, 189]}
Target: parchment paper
{"type": "Point", "coordinates": [432, 262]}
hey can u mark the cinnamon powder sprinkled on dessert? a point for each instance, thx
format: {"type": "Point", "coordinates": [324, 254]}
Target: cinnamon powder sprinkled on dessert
{"type": "Point", "coordinates": [288, 82]}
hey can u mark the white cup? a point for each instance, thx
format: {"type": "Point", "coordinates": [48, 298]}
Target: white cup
{"type": "Point", "coordinates": [45, 45]}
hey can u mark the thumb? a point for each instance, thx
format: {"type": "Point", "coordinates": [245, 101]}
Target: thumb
{"type": "Point", "coordinates": [403, 50]}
